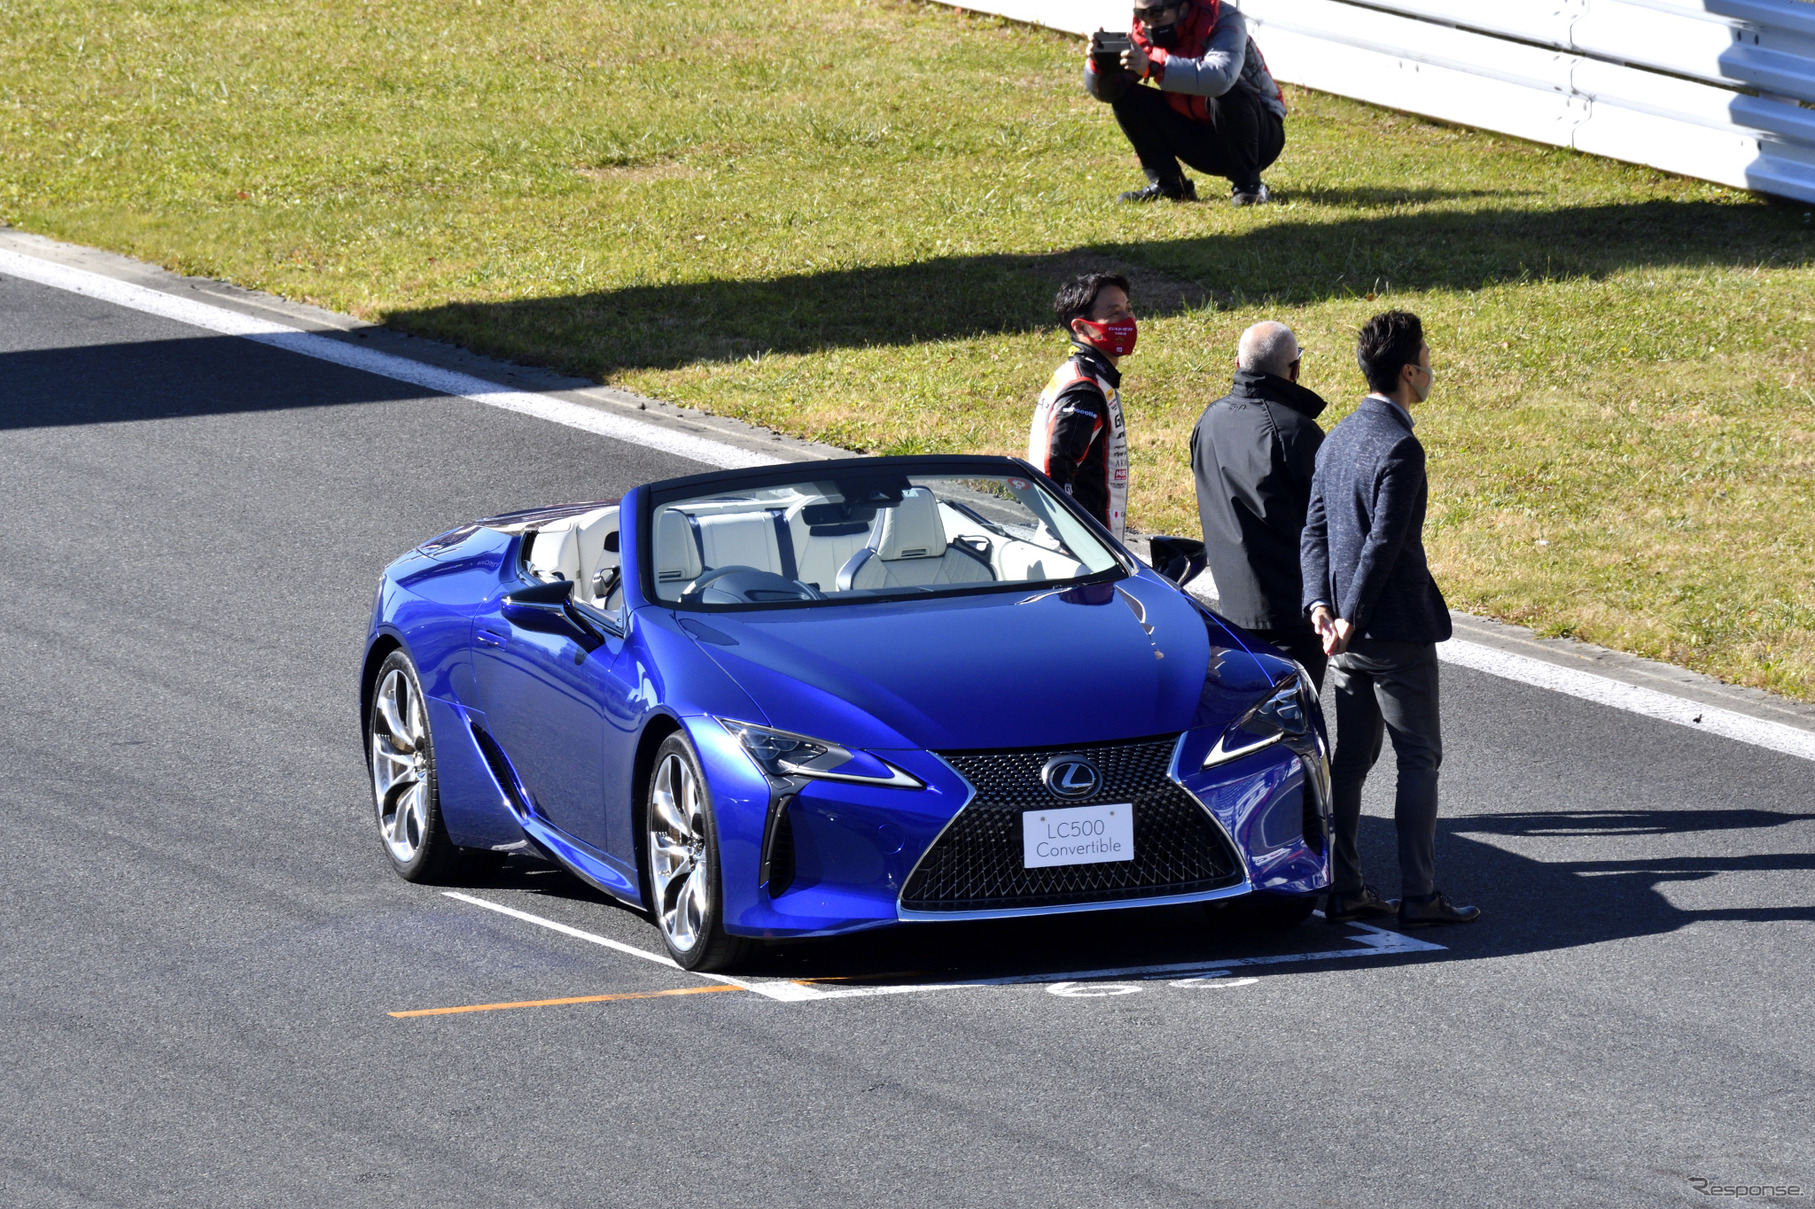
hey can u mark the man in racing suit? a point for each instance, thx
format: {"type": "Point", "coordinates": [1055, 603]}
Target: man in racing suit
{"type": "Point", "coordinates": [1077, 436]}
{"type": "Point", "coordinates": [1214, 104]}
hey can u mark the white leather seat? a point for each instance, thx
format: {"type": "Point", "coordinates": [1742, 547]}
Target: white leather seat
{"type": "Point", "coordinates": [821, 556]}
{"type": "Point", "coordinates": [1025, 561]}
{"type": "Point", "coordinates": [677, 559]}
{"type": "Point", "coordinates": [909, 550]}
{"type": "Point", "coordinates": [593, 529]}
{"type": "Point", "coordinates": [555, 554]}
{"type": "Point", "coordinates": [741, 539]}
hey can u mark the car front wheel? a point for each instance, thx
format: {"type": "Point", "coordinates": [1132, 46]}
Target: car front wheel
{"type": "Point", "coordinates": [685, 883]}
{"type": "Point", "coordinates": [401, 754]}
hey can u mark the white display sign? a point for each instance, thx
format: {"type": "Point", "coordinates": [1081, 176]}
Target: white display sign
{"type": "Point", "coordinates": [1077, 835]}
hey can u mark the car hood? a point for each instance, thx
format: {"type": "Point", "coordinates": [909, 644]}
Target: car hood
{"type": "Point", "coordinates": [991, 670]}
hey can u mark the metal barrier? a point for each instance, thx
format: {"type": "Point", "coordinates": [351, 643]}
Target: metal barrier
{"type": "Point", "coordinates": [1713, 89]}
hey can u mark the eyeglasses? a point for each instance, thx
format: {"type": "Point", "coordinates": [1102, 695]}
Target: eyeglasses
{"type": "Point", "coordinates": [1152, 13]}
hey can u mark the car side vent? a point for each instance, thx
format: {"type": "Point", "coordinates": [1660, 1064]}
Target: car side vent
{"type": "Point", "coordinates": [500, 769]}
{"type": "Point", "coordinates": [778, 853]}
{"type": "Point", "coordinates": [1317, 824]}
{"type": "Point", "coordinates": [1314, 829]}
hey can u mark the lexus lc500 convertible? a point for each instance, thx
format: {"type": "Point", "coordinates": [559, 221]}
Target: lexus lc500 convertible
{"type": "Point", "coordinates": [809, 699]}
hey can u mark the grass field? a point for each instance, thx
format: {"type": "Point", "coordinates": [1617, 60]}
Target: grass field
{"type": "Point", "coordinates": [845, 220]}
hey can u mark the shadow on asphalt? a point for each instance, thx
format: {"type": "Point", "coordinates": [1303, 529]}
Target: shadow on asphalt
{"type": "Point", "coordinates": [1529, 906]}
{"type": "Point", "coordinates": [220, 375]}
{"type": "Point", "coordinates": [1560, 904]}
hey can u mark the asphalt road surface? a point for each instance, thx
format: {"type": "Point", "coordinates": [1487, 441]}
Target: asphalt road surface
{"type": "Point", "coordinates": [203, 943]}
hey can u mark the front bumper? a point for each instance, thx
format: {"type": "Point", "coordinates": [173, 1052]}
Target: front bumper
{"type": "Point", "coordinates": [855, 847]}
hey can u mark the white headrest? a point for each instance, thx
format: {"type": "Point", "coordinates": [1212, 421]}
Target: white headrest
{"type": "Point", "coordinates": [596, 528]}
{"type": "Point", "coordinates": [912, 528]}
{"type": "Point", "coordinates": [555, 554]}
{"type": "Point", "coordinates": [677, 559]}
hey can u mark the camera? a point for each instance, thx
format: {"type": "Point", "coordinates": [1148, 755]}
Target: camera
{"type": "Point", "coordinates": [1106, 51]}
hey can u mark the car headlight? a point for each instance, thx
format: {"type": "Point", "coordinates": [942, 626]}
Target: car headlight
{"type": "Point", "coordinates": [1284, 715]}
{"type": "Point", "coordinates": [783, 755]}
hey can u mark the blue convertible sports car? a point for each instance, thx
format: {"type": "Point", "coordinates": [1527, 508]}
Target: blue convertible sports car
{"type": "Point", "coordinates": [814, 698]}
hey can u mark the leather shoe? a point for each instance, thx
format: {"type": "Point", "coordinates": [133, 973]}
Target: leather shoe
{"type": "Point", "coordinates": [1436, 911]}
{"type": "Point", "coordinates": [1357, 904]}
{"type": "Point", "coordinates": [1180, 190]}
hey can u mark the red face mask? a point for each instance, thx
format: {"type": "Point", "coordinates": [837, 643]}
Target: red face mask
{"type": "Point", "coordinates": [1115, 337]}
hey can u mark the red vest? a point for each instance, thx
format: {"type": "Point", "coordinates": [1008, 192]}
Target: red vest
{"type": "Point", "coordinates": [1193, 39]}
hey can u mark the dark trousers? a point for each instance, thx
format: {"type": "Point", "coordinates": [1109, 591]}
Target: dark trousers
{"type": "Point", "coordinates": [1387, 688]}
{"type": "Point", "coordinates": [1241, 138]}
{"type": "Point", "coordinates": [1302, 644]}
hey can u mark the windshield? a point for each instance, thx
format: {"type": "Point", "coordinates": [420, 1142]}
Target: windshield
{"type": "Point", "coordinates": [875, 535]}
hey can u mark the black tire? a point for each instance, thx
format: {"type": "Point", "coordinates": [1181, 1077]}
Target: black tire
{"type": "Point", "coordinates": [687, 906]}
{"type": "Point", "coordinates": [1264, 912]}
{"type": "Point", "coordinates": [412, 835]}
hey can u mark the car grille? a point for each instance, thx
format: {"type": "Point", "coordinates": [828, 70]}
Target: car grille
{"type": "Point", "coordinates": [976, 863]}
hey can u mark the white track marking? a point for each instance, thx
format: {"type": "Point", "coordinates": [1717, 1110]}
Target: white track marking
{"type": "Point", "coordinates": [565, 929]}
{"type": "Point", "coordinates": [1373, 942]}
{"type": "Point", "coordinates": [324, 348]}
{"type": "Point", "coordinates": [1729, 724]}
{"type": "Point", "coordinates": [773, 988]}
{"type": "Point", "coordinates": [1604, 690]}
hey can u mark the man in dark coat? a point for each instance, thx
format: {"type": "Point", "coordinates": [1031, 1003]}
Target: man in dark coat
{"type": "Point", "coordinates": [1252, 453]}
{"type": "Point", "coordinates": [1371, 597]}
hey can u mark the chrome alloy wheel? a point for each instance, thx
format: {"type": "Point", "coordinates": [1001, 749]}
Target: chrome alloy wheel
{"type": "Point", "coordinates": [400, 755]}
{"type": "Point", "coordinates": [677, 854]}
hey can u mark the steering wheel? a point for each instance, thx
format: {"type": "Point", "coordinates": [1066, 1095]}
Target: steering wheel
{"type": "Point", "coordinates": [737, 584]}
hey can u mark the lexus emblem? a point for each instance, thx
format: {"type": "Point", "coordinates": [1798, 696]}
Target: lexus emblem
{"type": "Point", "coordinates": [1071, 776]}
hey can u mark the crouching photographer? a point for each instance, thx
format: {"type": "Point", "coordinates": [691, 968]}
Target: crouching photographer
{"type": "Point", "coordinates": [1213, 103]}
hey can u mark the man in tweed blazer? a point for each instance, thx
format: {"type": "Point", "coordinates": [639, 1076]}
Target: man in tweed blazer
{"type": "Point", "coordinates": [1373, 602]}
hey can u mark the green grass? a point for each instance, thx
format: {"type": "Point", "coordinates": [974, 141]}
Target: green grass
{"type": "Point", "coordinates": [844, 220]}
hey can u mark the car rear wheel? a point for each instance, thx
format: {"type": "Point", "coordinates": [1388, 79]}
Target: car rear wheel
{"type": "Point", "coordinates": [401, 754]}
{"type": "Point", "coordinates": [685, 883]}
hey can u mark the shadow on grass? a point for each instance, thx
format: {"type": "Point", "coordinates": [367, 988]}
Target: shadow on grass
{"type": "Point", "coordinates": [1375, 198]}
{"type": "Point", "coordinates": [1289, 261]}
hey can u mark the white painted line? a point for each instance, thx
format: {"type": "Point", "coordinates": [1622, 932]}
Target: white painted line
{"type": "Point", "coordinates": [776, 989]}
{"type": "Point", "coordinates": [431, 378]}
{"type": "Point", "coordinates": [1602, 690]}
{"type": "Point", "coordinates": [1373, 942]}
{"type": "Point", "coordinates": [553, 926]}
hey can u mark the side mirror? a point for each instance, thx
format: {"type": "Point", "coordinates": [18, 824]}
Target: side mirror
{"type": "Point", "coordinates": [1180, 559]}
{"type": "Point", "coordinates": [544, 608]}
{"type": "Point", "coordinates": [541, 598]}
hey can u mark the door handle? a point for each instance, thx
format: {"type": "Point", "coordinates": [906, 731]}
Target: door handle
{"type": "Point", "coordinates": [488, 638]}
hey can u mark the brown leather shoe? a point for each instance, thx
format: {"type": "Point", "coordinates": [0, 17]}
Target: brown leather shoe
{"type": "Point", "coordinates": [1358, 904]}
{"type": "Point", "coordinates": [1435, 912]}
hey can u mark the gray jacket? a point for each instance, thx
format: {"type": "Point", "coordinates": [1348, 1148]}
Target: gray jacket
{"type": "Point", "coordinates": [1363, 546]}
{"type": "Point", "coordinates": [1230, 59]}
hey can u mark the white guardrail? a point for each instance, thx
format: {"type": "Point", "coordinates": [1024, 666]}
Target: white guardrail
{"type": "Point", "coordinates": [1713, 89]}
